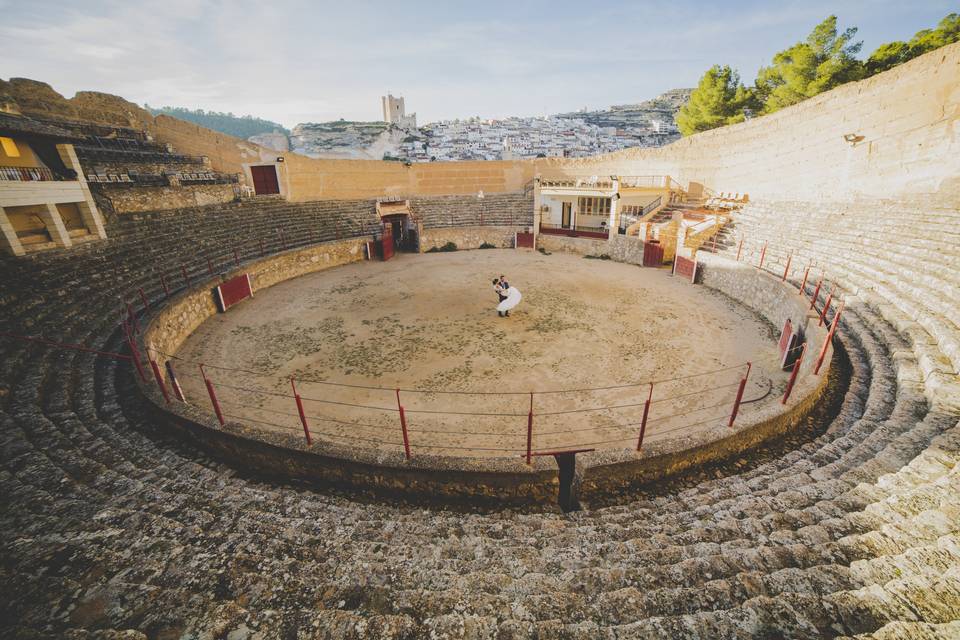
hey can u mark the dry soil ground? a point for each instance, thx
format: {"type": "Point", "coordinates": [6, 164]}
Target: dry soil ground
{"type": "Point", "coordinates": [427, 322]}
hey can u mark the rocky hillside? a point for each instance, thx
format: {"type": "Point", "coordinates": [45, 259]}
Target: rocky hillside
{"type": "Point", "coordinates": [347, 139]}
{"type": "Point", "coordinates": [663, 108]}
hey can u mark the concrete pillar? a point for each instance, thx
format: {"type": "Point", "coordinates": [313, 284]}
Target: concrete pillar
{"type": "Point", "coordinates": [51, 217]}
{"type": "Point", "coordinates": [9, 242]}
{"type": "Point", "coordinates": [613, 225]}
{"type": "Point", "coordinates": [91, 218]}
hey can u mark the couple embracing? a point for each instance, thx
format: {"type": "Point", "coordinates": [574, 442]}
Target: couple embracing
{"type": "Point", "coordinates": [509, 296]}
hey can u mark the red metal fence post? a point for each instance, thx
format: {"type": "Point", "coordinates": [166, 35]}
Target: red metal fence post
{"type": "Point", "coordinates": [763, 254]}
{"type": "Point", "coordinates": [403, 427]}
{"type": "Point", "coordinates": [262, 252]}
{"type": "Point", "coordinates": [643, 422]}
{"type": "Point", "coordinates": [186, 278]}
{"type": "Point", "coordinates": [829, 338]}
{"type": "Point", "coordinates": [177, 391]}
{"type": "Point", "coordinates": [740, 389]}
{"type": "Point", "coordinates": [283, 239]}
{"type": "Point", "coordinates": [213, 396]}
{"type": "Point", "coordinates": [303, 416]}
{"type": "Point", "coordinates": [786, 269]}
{"type": "Point", "coordinates": [143, 298]}
{"type": "Point", "coordinates": [739, 249]}
{"type": "Point", "coordinates": [236, 257]}
{"type": "Point", "coordinates": [816, 292]}
{"type": "Point", "coordinates": [209, 267]}
{"type": "Point", "coordinates": [803, 285]}
{"type": "Point", "coordinates": [793, 374]}
{"type": "Point", "coordinates": [134, 323]}
{"type": "Point", "coordinates": [166, 289]}
{"type": "Point", "coordinates": [134, 353]}
{"type": "Point", "coordinates": [826, 306]}
{"type": "Point", "coordinates": [530, 429]}
{"type": "Point", "coordinates": [156, 374]}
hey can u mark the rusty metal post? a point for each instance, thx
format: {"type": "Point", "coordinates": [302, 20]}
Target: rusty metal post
{"type": "Point", "coordinates": [303, 415]}
{"type": "Point", "coordinates": [134, 323]}
{"type": "Point", "coordinates": [177, 391]}
{"type": "Point", "coordinates": [160, 383]}
{"type": "Point", "coordinates": [793, 375]}
{"type": "Point", "coordinates": [403, 427]}
{"type": "Point", "coordinates": [143, 298]}
{"type": "Point", "coordinates": [740, 389]}
{"type": "Point", "coordinates": [643, 421]}
{"type": "Point", "coordinates": [826, 306]}
{"type": "Point", "coordinates": [530, 430]}
{"type": "Point", "coordinates": [262, 252]}
{"type": "Point", "coordinates": [213, 396]}
{"type": "Point", "coordinates": [739, 249]}
{"type": "Point", "coordinates": [816, 292]}
{"type": "Point", "coordinates": [803, 285]}
{"type": "Point", "coordinates": [786, 269]}
{"type": "Point", "coordinates": [186, 278]}
{"type": "Point", "coordinates": [134, 352]}
{"type": "Point", "coordinates": [763, 254]}
{"type": "Point", "coordinates": [236, 257]}
{"type": "Point", "coordinates": [166, 289]}
{"type": "Point", "coordinates": [829, 338]}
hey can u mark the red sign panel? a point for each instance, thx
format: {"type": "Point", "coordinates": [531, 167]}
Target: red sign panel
{"type": "Point", "coordinates": [233, 291]}
{"type": "Point", "coordinates": [386, 242]}
{"type": "Point", "coordinates": [685, 267]}
{"type": "Point", "coordinates": [524, 240]}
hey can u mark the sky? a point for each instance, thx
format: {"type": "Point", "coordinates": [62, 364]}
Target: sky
{"type": "Point", "coordinates": [293, 62]}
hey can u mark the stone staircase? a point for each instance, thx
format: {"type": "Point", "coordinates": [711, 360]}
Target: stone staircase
{"type": "Point", "coordinates": [111, 529]}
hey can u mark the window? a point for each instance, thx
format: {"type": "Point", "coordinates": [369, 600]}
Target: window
{"type": "Point", "coordinates": [593, 206]}
{"type": "Point", "coordinates": [9, 147]}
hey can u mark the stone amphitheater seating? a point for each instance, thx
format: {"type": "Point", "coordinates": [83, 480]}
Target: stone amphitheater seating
{"type": "Point", "coordinates": [117, 527]}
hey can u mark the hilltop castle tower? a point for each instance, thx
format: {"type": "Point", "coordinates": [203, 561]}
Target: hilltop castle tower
{"type": "Point", "coordinates": [394, 112]}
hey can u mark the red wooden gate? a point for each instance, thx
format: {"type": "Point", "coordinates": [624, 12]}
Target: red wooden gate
{"type": "Point", "coordinates": [523, 240]}
{"type": "Point", "coordinates": [652, 254]}
{"type": "Point", "coordinates": [685, 267]}
{"type": "Point", "coordinates": [386, 242]}
{"type": "Point", "coordinates": [265, 179]}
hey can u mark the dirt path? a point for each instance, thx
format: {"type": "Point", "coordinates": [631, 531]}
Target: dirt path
{"type": "Point", "coordinates": [428, 322]}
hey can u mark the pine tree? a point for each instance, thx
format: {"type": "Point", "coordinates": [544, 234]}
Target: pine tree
{"type": "Point", "coordinates": [719, 99]}
{"type": "Point", "coordinates": [823, 61]}
{"type": "Point", "coordinates": [889, 55]}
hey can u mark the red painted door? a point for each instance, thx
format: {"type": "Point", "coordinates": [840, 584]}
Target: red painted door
{"type": "Point", "coordinates": [387, 241]}
{"type": "Point", "coordinates": [265, 180]}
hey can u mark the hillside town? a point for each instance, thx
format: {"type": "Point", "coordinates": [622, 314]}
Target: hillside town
{"type": "Point", "coordinates": [569, 135]}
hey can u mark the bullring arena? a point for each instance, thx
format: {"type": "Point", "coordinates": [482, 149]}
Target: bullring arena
{"type": "Point", "coordinates": [235, 416]}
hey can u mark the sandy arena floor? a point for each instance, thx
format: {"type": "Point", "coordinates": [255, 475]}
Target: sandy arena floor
{"type": "Point", "coordinates": [428, 322]}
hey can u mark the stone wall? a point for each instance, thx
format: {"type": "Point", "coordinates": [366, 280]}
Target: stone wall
{"type": "Point", "coordinates": [581, 246]}
{"type": "Point", "coordinates": [134, 199]}
{"type": "Point", "coordinates": [468, 237]}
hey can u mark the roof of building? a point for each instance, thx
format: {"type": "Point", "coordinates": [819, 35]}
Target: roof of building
{"type": "Point", "coordinates": [13, 125]}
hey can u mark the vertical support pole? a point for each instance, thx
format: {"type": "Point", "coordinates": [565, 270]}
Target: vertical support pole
{"type": "Point", "coordinates": [303, 415]}
{"type": "Point", "coordinates": [816, 292]}
{"type": "Point", "coordinates": [134, 353]}
{"type": "Point", "coordinates": [166, 289]}
{"type": "Point", "coordinates": [209, 267]}
{"type": "Point", "coordinates": [213, 396]}
{"type": "Point", "coordinates": [160, 383]}
{"type": "Point", "coordinates": [143, 298]}
{"type": "Point", "coordinates": [826, 306]}
{"type": "Point", "coordinates": [236, 257]}
{"type": "Point", "coordinates": [793, 374]}
{"type": "Point", "coordinates": [763, 254]}
{"type": "Point", "coordinates": [134, 323]}
{"type": "Point", "coordinates": [803, 285]}
{"type": "Point", "coordinates": [177, 391]}
{"type": "Point", "coordinates": [530, 430]}
{"type": "Point", "coordinates": [829, 338]}
{"type": "Point", "coordinates": [786, 269]}
{"type": "Point", "coordinates": [646, 413]}
{"type": "Point", "coordinates": [403, 427]}
{"type": "Point", "coordinates": [262, 252]}
{"type": "Point", "coordinates": [740, 389]}
{"type": "Point", "coordinates": [283, 239]}
{"type": "Point", "coordinates": [739, 249]}
{"type": "Point", "coordinates": [186, 278]}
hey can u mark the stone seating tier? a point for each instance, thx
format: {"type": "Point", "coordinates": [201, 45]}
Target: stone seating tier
{"type": "Point", "coordinates": [116, 526]}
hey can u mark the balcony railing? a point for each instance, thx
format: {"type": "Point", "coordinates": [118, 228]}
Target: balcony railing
{"type": "Point", "coordinates": [27, 174]}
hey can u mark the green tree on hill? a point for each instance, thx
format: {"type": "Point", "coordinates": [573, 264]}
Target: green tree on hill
{"type": "Point", "coordinates": [228, 123]}
{"type": "Point", "coordinates": [826, 59]}
{"type": "Point", "coordinates": [889, 55]}
{"type": "Point", "coordinates": [719, 99]}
